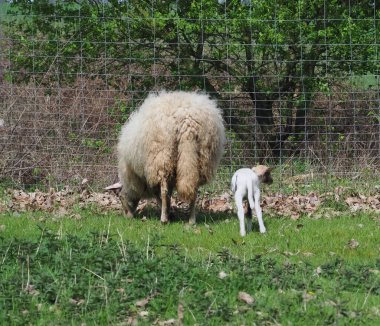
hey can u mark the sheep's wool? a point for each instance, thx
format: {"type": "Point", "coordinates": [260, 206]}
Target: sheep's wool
{"type": "Point", "coordinates": [178, 136]}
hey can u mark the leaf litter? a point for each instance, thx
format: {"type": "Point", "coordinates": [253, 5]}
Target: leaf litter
{"type": "Point", "coordinates": [275, 205]}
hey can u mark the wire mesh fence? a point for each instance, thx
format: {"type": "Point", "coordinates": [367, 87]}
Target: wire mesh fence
{"type": "Point", "coordinates": [298, 83]}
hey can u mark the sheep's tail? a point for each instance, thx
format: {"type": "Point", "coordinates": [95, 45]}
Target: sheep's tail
{"type": "Point", "coordinates": [187, 164]}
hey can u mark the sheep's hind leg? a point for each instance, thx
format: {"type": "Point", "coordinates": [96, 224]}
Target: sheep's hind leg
{"type": "Point", "coordinates": [165, 202]}
{"type": "Point", "coordinates": [192, 219]}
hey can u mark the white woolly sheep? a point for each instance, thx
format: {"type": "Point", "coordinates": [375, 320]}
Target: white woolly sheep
{"type": "Point", "coordinates": [174, 140]}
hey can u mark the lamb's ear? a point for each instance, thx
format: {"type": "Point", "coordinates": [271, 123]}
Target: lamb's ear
{"type": "Point", "coordinates": [260, 170]}
{"type": "Point", "coordinates": [114, 187]}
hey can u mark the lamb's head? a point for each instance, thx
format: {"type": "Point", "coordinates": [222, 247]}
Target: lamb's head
{"type": "Point", "coordinates": [263, 173]}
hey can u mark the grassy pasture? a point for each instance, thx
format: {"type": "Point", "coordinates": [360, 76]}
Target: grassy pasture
{"type": "Point", "coordinates": [95, 267]}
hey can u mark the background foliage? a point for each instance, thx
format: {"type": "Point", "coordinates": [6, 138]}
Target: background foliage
{"type": "Point", "coordinates": [295, 80]}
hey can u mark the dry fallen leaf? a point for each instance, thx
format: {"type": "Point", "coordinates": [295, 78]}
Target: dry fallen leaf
{"type": "Point", "coordinates": [180, 313]}
{"type": "Point", "coordinates": [307, 296]}
{"type": "Point", "coordinates": [308, 254]}
{"type": "Point", "coordinates": [143, 313]}
{"type": "Point", "coordinates": [245, 297]}
{"type": "Point", "coordinates": [31, 290]}
{"type": "Point", "coordinates": [318, 271]}
{"type": "Point", "coordinates": [374, 271]}
{"type": "Point", "coordinates": [361, 202]}
{"type": "Point", "coordinates": [353, 244]}
{"type": "Point", "coordinates": [142, 303]}
{"type": "Point", "coordinates": [84, 182]}
{"type": "Point", "coordinates": [220, 204]}
{"type": "Point", "coordinates": [289, 253]}
{"type": "Point", "coordinates": [197, 230]}
{"type": "Point", "coordinates": [132, 320]}
{"type": "Point", "coordinates": [115, 186]}
{"type": "Point", "coordinates": [168, 322]}
{"type": "Point", "coordinates": [76, 302]}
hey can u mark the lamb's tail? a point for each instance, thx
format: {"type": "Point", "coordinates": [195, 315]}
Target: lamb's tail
{"type": "Point", "coordinates": [234, 183]}
{"type": "Point", "coordinates": [188, 161]}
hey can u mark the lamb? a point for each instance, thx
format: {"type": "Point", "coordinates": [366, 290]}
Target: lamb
{"type": "Point", "coordinates": [174, 140]}
{"type": "Point", "coordinates": [246, 183]}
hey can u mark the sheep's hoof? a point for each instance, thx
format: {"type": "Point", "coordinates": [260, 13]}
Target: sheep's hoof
{"type": "Point", "coordinates": [164, 220]}
{"type": "Point", "coordinates": [129, 215]}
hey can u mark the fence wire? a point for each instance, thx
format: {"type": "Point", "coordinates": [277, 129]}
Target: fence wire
{"type": "Point", "coordinates": [298, 83]}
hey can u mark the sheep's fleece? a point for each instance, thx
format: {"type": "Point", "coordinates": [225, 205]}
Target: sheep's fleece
{"type": "Point", "coordinates": [174, 140]}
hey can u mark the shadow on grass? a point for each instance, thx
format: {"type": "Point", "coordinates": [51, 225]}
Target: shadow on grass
{"type": "Point", "coordinates": [178, 215]}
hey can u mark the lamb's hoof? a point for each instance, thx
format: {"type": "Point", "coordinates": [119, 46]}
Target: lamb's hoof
{"type": "Point", "coordinates": [264, 230]}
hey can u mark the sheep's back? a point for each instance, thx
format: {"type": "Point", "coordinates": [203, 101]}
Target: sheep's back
{"type": "Point", "coordinates": [146, 142]}
{"type": "Point", "coordinates": [150, 140]}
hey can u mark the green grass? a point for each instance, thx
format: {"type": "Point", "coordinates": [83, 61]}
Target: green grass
{"type": "Point", "coordinates": [322, 238]}
{"type": "Point", "coordinates": [3, 7]}
{"type": "Point", "coordinates": [93, 267]}
{"type": "Point", "coordinates": [365, 81]}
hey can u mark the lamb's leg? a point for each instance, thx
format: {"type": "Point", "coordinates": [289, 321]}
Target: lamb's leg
{"type": "Point", "coordinates": [259, 212]}
{"type": "Point", "coordinates": [165, 202]}
{"type": "Point", "coordinates": [240, 208]}
{"type": "Point", "coordinates": [249, 219]}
